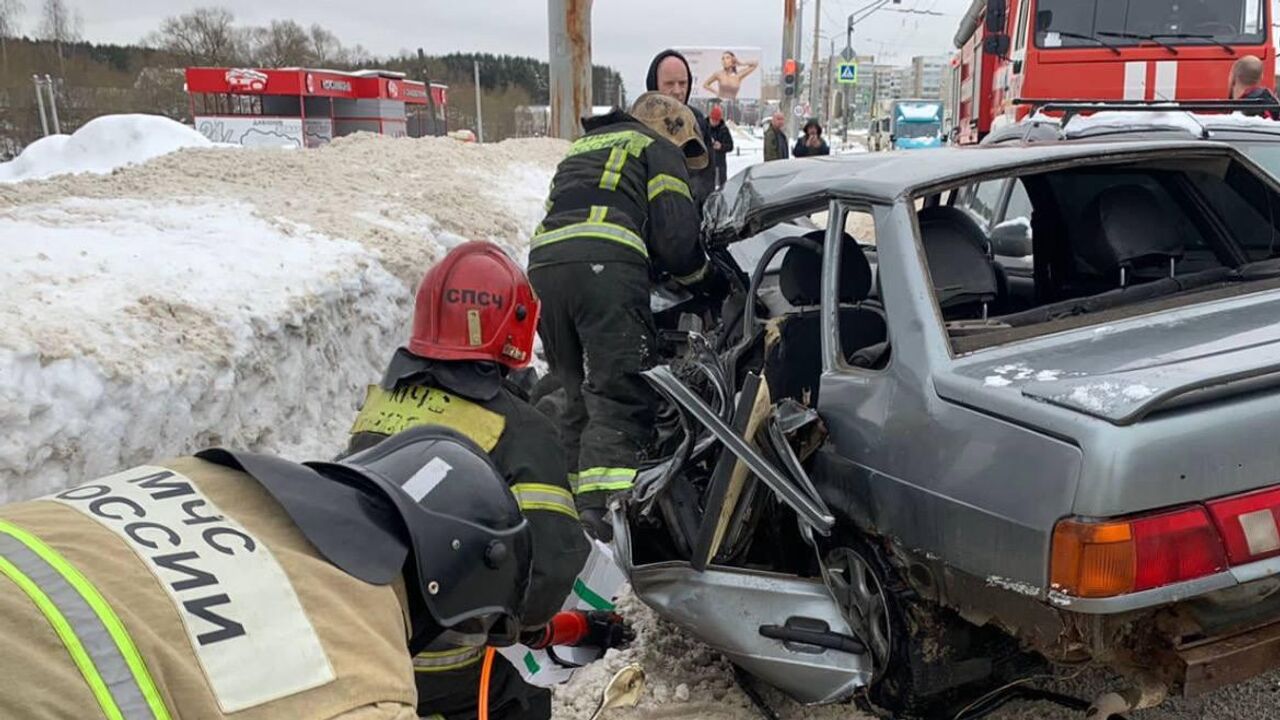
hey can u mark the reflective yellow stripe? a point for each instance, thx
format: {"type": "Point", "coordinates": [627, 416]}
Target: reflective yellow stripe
{"type": "Point", "coordinates": [99, 644]}
{"type": "Point", "coordinates": [633, 142]}
{"type": "Point", "coordinates": [668, 183]}
{"type": "Point", "coordinates": [613, 169]}
{"type": "Point", "coordinates": [536, 496]}
{"type": "Point", "coordinates": [694, 277]}
{"type": "Point", "coordinates": [597, 479]}
{"type": "Point", "coordinates": [413, 405]}
{"type": "Point", "coordinates": [446, 660]}
{"type": "Point", "coordinates": [591, 229]}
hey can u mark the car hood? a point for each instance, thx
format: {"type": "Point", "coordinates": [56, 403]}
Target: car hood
{"type": "Point", "coordinates": [1125, 371]}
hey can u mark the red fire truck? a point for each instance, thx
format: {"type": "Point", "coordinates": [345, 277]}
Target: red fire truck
{"type": "Point", "coordinates": [1013, 53]}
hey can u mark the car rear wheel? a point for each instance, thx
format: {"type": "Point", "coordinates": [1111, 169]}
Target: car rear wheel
{"type": "Point", "coordinates": [927, 662]}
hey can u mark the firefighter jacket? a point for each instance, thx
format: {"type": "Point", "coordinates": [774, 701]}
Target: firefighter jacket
{"type": "Point", "coordinates": [473, 398]}
{"type": "Point", "coordinates": [622, 195]}
{"type": "Point", "coordinates": [183, 590]}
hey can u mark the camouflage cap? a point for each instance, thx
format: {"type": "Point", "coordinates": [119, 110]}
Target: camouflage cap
{"type": "Point", "coordinates": [674, 121]}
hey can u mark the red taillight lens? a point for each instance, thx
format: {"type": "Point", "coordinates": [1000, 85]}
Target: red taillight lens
{"type": "Point", "coordinates": [1248, 525]}
{"type": "Point", "coordinates": [1176, 546]}
{"type": "Point", "coordinates": [1116, 557]}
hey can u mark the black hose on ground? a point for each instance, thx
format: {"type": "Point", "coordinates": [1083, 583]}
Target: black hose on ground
{"type": "Point", "coordinates": [997, 700]}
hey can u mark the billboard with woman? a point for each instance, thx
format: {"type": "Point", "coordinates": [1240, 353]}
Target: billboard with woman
{"type": "Point", "coordinates": [724, 73]}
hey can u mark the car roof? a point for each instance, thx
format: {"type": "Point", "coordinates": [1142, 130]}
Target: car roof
{"type": "Point", "coordinates": [1137, 125]}
{"type": "Point", "coordinates": [764, 194]}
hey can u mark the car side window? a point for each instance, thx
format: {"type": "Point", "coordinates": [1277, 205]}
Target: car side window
{"type": "Point", "coordinates": [983, 201]}
{"type": "Point", "coordinates": [863, 332]}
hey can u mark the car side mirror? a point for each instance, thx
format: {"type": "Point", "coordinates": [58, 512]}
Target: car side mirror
{"type": "Point", "coordinates": [997, 45]}
{"type": "Point", "coordinates": [1012, 238]}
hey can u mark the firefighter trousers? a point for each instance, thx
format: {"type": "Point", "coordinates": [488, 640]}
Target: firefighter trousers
{"type": "Point", "coordinates": [598, 334]}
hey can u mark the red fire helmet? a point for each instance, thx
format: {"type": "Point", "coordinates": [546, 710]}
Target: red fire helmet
{"type": "Point", "coordinates": [476, 304]}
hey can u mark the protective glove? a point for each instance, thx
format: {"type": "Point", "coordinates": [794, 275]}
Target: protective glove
{"type": "Point", "coordinates": [715, 284]}
{"type": "Point", "coordinates": [596, 522]}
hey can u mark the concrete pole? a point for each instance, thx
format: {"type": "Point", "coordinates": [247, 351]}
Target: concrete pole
{"type": "Point", "coordinates": [53, 106]}
{"type": "Point", "coordinates": [569, 23]}
{"type": "Point", "coordinates": [44, 122]}
{"type": "Point", "coordinates": [787, 104]}
{"type": "Point", "coordinates": [479, 109]}
{"type": "Point", "coordinates": [814, 91]}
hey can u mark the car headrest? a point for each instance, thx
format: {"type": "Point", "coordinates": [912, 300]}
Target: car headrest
{"type": "Point", "coordinates": [1125, 224]}
{"type": "Point", "coordinates": [956, 249]}
{"type": "Point", "coordinates": [800, 278]}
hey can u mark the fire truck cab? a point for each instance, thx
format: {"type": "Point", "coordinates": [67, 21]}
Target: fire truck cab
{"type": "Point", "coordinates": [1013, 53]}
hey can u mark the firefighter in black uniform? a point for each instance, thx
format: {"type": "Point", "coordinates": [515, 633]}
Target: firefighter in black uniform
{"type": "Point", "coordinates": [620, 215]}
{"type": "Point", "coordinates": [475, 319]}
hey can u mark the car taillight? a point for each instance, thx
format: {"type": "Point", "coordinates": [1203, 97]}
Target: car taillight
{"type": "Point", "coordinates": [1116, 557]}
{"type": "Point", "coordinates": [1248, 525]}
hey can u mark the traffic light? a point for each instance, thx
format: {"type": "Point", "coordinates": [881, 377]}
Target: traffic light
{"type": "Point", "coordinates": [789, 73]}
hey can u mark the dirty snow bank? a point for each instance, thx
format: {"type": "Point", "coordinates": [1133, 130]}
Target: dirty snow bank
{"type": "Point", "coordinates": [241, 297]}
{"type": "Point", "coordinates": [101, 146]}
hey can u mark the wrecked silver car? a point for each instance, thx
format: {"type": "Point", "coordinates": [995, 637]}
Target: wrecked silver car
{"type": "Point", "coordinates": [894, 468]}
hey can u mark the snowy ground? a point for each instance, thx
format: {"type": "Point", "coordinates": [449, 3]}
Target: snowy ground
{"type": "Point", "coordinates": [220, 295]}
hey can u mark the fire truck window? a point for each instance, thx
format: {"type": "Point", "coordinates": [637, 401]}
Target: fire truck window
{"type": "Point", "coordinates": [1071, 23]}
{"type": "Point", "coordinates": [1022, 24]}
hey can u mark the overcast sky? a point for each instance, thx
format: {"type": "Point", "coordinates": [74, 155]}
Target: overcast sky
{"type": "Point", "coordinates": [625, 33]}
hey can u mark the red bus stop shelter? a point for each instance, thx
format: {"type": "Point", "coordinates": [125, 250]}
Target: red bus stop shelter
{"type": "Point", "coordinates": [300, 107]}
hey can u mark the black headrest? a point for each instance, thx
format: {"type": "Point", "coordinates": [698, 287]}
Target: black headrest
{"type": "Point", "coordinates": [956, 249]}
{"type": "Point", "coordinates": [800, 278]}
{"type": "Point", "coordinates": [1125, 224]}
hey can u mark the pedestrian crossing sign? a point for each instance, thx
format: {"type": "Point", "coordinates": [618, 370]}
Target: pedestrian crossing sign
{"type": "Point", "coordinates": [849, 73]}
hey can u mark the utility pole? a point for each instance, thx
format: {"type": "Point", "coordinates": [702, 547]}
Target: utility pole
{"type": "Point", "coordinates": [569, 23]}
{"type": "Point", "coordinates": [813, 68]}
{"type": "Point", "coordinates": [788, 53]}
{"type": "Point", "coordinates": [44, 121]}
{"type": "Point", "coordinates": [479, 109]}
{"type": "Point", "coordinates": [53, 106]}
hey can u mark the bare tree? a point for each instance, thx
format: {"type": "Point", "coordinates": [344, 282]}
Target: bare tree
{"type": "Point", "coordinates": [326, 49]}
{"type": "Point", "coordinates": [9, 12]}
{"type": "Point", "coordinates": [284, 43]}
{"type": "Point", "coordinates": [204, 36]}
{"type": "Point", "coordinates": [61, 24]}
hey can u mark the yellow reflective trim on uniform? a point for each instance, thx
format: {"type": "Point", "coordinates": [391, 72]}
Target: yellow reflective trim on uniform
{"type": "Point", "coordinates": [668, 183]}
{"type": "Point", "coordinates": [632, 141]}
{"type": "Point", "coordinates": [536, 496]}
{"type": "Point", "coordinates": [603, 486]}
{"type": "Point", "coordinates": [62, 628]}
{"type": "Point", "coordinates": [434, 661]}
{"type": "Point", "coordinates": [601, 478]}
{"type": "Point", "coordinates": [598, 230]}
{"type": "Point", "coordinates": [694, 277]}
{"type": "Point", "coordinates": [598, 214]}
{"type": "Point", "coordinates": [413, 405]}
{"type": "Point", "coordinates": [613, 169]}
{"type": "Point", "coordinates": [124, 643]}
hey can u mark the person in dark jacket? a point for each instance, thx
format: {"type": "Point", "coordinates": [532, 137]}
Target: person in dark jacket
{"type": "Point", "coordinates": [721, 144]}
{"type": "Point", "coordinates": [811, 144]}
{"type": "Point", "coordinates": [1246, 84]}
{"type": "Point", "coordinates": [670, 75]}
{"type": "Point", "coordinates": [474, 322]}
{"type": "Point", "coordinates": [620, 213]}
{"type": "Point", "coordinates": [775, 139]}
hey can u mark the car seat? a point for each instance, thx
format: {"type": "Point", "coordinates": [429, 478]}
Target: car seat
{"type": "Point", "coordinates": [966, 280]}
{"type": "Point", "coordinates": [793, 364]}
{"type": "Point", "coordinates": [1128, 236]}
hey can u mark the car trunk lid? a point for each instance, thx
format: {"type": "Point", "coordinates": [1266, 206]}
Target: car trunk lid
{"type": "Point", "coordinates": [1124, 372]}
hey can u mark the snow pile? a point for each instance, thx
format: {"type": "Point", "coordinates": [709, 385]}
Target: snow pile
{"type": "Point", "coordinates": [241, 298]}
{"type": "Point", "coordinates": [101, 146]}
